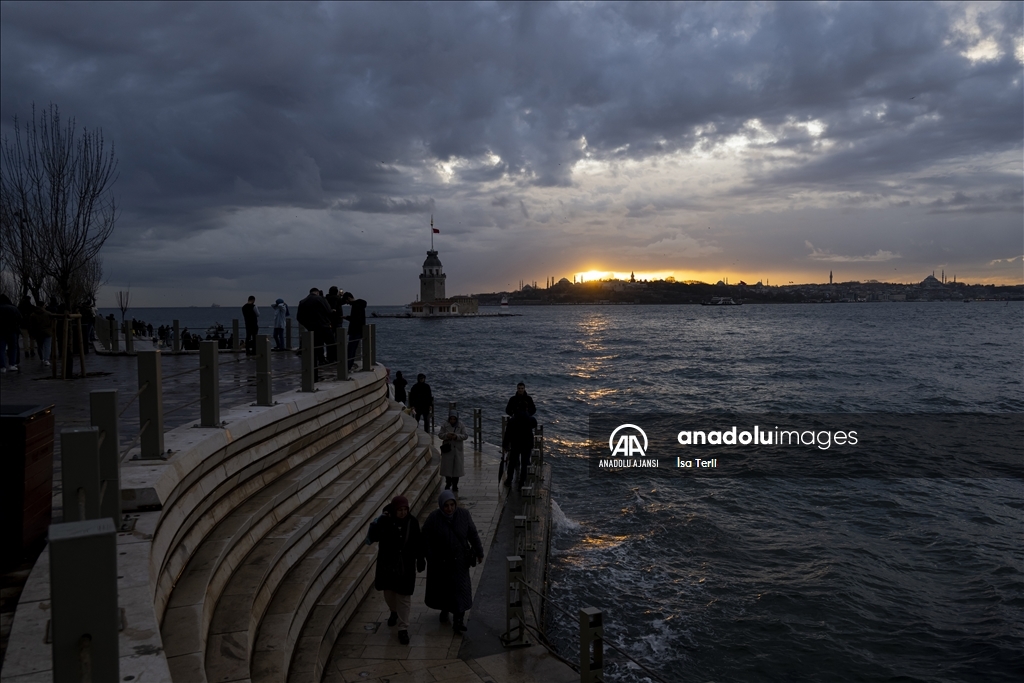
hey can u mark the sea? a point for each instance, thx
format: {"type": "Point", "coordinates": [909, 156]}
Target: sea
{"type": "Point", "coordinates": [895, 577]}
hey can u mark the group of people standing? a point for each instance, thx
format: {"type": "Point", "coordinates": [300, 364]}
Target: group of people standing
{"type": "Point", "coordinates": [320, 314]}
{"type": "Point", "coordinates": [26, 330]}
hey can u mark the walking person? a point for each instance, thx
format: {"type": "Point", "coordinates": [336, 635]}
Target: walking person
{"type": "Point", "coordinates": [400, 383]}
{"type": "Point", "coordinates": [399, 558]}
{"type": "Point", "coordinates": [281, 312]}
{"type": "Point", "coordinates": [518, 444]}
{"type": "Point", "coordinates": [251, 314]}
{"type": "Point", "coordinates": [451, 545]}
{"type": "Point", "coordinates": [520, 399]}
{"type": "Point", "coordinates": [452, 433]}
{"type": "Point", "coordinates": [356, 322]}
{"type": "Point", "coordinates": [10, 330]}
{"type": "Point", "coordinates": [26, 308]}
{"type": "Point", "coordinates": [422, 401]}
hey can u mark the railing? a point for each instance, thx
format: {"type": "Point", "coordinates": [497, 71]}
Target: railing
{"type": "Point", "coordinates": [591, 619]}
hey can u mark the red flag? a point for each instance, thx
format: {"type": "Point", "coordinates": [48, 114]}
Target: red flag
{"type": "Point", "coordinates": [436, 231]}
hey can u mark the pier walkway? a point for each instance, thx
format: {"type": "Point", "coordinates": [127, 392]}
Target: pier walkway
{"type": "Point", "coordinates": [244, 558]}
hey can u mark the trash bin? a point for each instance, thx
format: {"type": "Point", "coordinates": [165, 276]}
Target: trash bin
{"type": "Point", "coordinates": [26, 479]}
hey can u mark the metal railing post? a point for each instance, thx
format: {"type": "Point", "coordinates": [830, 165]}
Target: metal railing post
{"type": "Point", "coordinates": [591, 637]}
{"type": "Point", "coordinates": [80, 465]}
{"type": "Point", "coordinates": [115, 342]}
{"type": "Point", "coordinates": [84, 617]}
{"type": "Point", "coordinates": [151, 405]}
{"type": "Point", "coordinates": [264, 386]}
{"type": "Point", "coordinates": [129, 338]}
{"type": "Point", "coordinates": [478, 429]}
{"type": "Point", "coordinates": [366, 349]}
{"type": "Point", "coordinates": [373, 343]}
{"type": "Point", "coordinates": [342, 353]}
{"type": "Point", "coordinates": [235, 345]}
{"type": "Point", "coordinates": [176, 340]}
{"type": "Point", "coordinates": [515, 620]}
{"type": "Point", "coordinates": [103, 416]}
{"type": "Point", "coordinates": [504, 424]}
{"type": "Point", "coordinates": [288, 333]}
{"type": "Point", "coordinates": [209, 383]}
{"type": "Point", "coordinates": [308, 362]}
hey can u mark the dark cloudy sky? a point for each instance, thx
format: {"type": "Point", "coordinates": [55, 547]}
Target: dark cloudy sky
{"type": "Point", "coordinates": [266, 148]}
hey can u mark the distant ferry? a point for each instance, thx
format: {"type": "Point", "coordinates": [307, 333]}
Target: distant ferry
{"type": "Point", "coordinates": [721, 301]}
{"type": "Point", "coordinates": [504, 302]}
{"type": "Point", "coordinates": [214, 305]}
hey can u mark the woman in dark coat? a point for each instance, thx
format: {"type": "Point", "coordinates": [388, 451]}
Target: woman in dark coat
{"type": "Point", "coordinates": [450, 543]}
{"type": "Point", "coordinates": [399, 557]}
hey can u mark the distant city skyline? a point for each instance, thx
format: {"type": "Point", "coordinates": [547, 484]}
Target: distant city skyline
{"type": "Point", "coordinates": [268, 148]}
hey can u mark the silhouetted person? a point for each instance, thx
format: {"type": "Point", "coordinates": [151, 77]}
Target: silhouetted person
{"type": "Point", "coordinates": [518, 443]}
{"type": "Point", "coordinates": [520, 399]}
{"type": "Point", "coordinates": [451, 544]}
{"type": "Point", "coordinates": [315, 315]}
{"type": "Point", "coordinates": [10, 330]}
{"type": "Point", "coordinates": [251, 314]}
{"type": "Point", "coordinates": [421, 399]}
{"type": "Point", "coordinates": [400, 384]}
{"type": "Point", "coordinates": [356, 322]}
{"type": "Point", "coordinates": [400, 555]}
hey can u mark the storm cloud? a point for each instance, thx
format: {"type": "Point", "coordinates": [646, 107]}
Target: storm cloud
{"type": "Point", "coordinates": [312, 142]}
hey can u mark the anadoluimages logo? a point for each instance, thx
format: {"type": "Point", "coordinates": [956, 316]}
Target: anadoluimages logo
{"type": "Point", "coordinates": [628, 445]}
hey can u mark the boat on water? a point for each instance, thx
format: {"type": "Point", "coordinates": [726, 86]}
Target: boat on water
{"type": "Point", "coordinates": [504, 302]}
{"type": "Point", "coordinates": [721, 301]}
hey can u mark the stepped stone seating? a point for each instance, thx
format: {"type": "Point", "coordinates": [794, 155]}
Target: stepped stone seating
{"type": "Point", "coordinates": [255, 558]}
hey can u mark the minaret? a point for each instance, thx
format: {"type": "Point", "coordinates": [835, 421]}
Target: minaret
{"type": "Point", "coordinates": [830, 277]}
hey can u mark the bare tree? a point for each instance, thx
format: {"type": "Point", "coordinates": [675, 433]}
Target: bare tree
{"type": "Point", "coordinates": [56, 203]}
{"type": "Point", "coordinates": [124, 299]}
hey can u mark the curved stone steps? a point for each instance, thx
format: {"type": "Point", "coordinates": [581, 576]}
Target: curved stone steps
{"type": "Point", "coordinates": [190, 604]}
{"type": "Point", "coordinates": [333, 556]}
{"type": "Point", "coordinates": [345, 593]}
{"type": "Point", "coordinates": [247, 592]}
{"type": "Point", "coordinates": [243, 480]}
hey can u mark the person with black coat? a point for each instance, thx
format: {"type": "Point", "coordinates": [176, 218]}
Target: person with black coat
{"type": "Point", "coordinates": [356, 322]}
{"type": "Point", "coordinates": [399, 558]}
{"type": "Point", "coordinates": [520, 399]}
{"type": "Point", "coordinates": [400, 384]}
{"type": "Point", "coordinates": [451, 545]}
{"type": "Point", "coordinates": [251, 315]}
{"type": "Point", "coordinates": [421, 399]}
{"type": "Point", "coordinates": [314, 314]}
{"type": "Point", "coordinates": [518, 443]}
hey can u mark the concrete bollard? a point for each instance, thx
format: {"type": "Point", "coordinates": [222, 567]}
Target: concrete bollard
{"type": "Point", "coordinates": [342, 353]}
{"type": "Point", "coordinates": [209, 383]}
{"type": "Point", "coordinates": [515, 619]}
{"type": "Point", "coordinates": [151, 405]}
{"type": "Point", "coordinates": [236, 341]}
{"type": "Point", "coordinates": [80, 465]}
{"type": "Point", "coordinates": [366, 349]}
{"type": "Point", "coordinates": [103, 416]}
{"type": "Point", "coordinates": [264, 385]}
{"type": "Point", "coordinates": [115, 342]}
{"type": "Point", "coordinates": [84, 617]}
{"type": "Point", "coordinates": [129, 338]}
{"type": "Point", "coordinates": [373, 343]}
{"type": "Point", "coordinates": [591, 645]}
{"type": "Point", "coordinates": [288, 333]}
{"type": "Point", "coordinates": [308, 360]}
{"type": "Point", "coordinates": [176, 339]}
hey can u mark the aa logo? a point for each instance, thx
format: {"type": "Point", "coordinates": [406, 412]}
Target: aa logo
{"type": "Point", "coordinates": [628, 444]}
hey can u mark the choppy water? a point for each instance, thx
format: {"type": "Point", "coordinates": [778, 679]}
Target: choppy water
{"type": "Point", "coordinates": [759, 579]}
